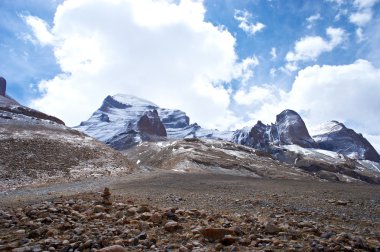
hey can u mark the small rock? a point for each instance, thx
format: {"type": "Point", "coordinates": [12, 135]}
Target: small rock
{"type": "Point", "coordinates": [142, 236]}
{"type": "Point", "coordinates": [271, 228]}
{"type": "Point", "coordinates": [228, 240]}
{"type": "Point", "coordinates": [156, 218]}
{"type": "Point", "coordinates": [172, 226]}
{"type": "Point", "coordinates": [341, 203]}
{"type": "Point", "coordinates": [183, 249]}
{"type": "Point", "coordinates": [114, 248]}
{"type": "Point", "coordinates": [213, 234]}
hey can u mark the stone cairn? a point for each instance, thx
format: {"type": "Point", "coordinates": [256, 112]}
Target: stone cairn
{"type": "Point", "coordinates": [106, 197]}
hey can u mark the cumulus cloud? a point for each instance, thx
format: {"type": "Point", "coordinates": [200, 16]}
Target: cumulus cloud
{"type": "Point", "coordinates": [310, 47]}
{"type": "Point", "coordinates": [159, 50]}
{"type": "Point", "coordinates": [364, 14]}
{"type": "Point", "coordinates": [361, 18]}
{"type": "Point", "coordinates": [347, 93]}
{"type": "Point", "coordinates": [245, 24]}
{"type": "Point", "coordinates": [258, 95]}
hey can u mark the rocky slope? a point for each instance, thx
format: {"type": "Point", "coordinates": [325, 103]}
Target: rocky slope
{"type": "Point", "coordinates": [36, 148]}
{"type": "Point", "coordinates": [289, 128]}
{"type": "Point", "coordinates": [221, 157]}
{"type": "Point", "coordinates": [116, 123]}
{"type": "Point", "coordinates": [335, 136]}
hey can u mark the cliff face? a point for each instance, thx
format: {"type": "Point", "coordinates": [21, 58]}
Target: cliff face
{"type": "Point", "coordinates": [288, 129]}
{"type": "Point", "coordinates": [335, 136]}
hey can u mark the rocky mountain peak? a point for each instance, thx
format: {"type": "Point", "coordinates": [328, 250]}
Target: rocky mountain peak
{"type": "Point", "coordinates": [291, 129]}
{"type": "Point", "coordinates": [3, 86]}
{"type": "Point", "coordinates": [335, 136]}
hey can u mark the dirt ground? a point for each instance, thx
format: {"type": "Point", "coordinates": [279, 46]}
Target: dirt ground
{"type": "Point", "coordinates": [339, 208]}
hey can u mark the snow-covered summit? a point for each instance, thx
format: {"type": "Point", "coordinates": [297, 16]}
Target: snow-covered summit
{"type": "Point", "coordinates": [331, 126]}
{"type": "Point", "coordinates": [133, 100]}
{"type": "Point", "coordinates": [120, 113]}
{"type": "Point", "coordinates": [335, 136]}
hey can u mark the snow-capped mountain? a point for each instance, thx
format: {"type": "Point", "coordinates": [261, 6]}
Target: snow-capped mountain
{"type": "Point", "coordinates": [335, 136]}
{"type": "Point", "coordinates": [289, 128]}
{"type": "Point", "coordinates": [117, 121]}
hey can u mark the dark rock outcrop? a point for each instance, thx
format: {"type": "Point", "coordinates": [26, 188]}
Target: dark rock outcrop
{"type": "Point", "coordinates": [335, 136]}
{"type": "Point", "coordinates": [151, 124]}
{"type": "Point", "coordinates": [289, 128]}
{"type": "Point", "coordinates": [148, 128]}
{"type": "Point", "coordinates": [3, 86]}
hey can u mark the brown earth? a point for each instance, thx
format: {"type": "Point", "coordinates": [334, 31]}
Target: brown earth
{"type": "Point", "coordinates": [167, 211]}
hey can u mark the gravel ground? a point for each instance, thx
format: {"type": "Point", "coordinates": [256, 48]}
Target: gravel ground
{"type": "Point", "coordinates": [272, 215]}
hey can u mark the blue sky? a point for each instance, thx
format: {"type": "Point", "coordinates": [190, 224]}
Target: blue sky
{"type": "Point", "coordinates": [227, 63]}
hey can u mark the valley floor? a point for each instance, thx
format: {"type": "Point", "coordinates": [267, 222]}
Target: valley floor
{"type": "Point", "coordinates": [170, 211]}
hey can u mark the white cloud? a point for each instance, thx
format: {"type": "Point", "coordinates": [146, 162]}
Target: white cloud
{"type": "Point", "coordinates": [159, 50]}
{"type": "Point", "coordinates": [273, 53]}
{"type": "Point", "coordinates": [40, 30]}
{"type": "Point", "coordinates": [312, 19]}
{"type": "Point", "coordinates": [258, 95]}
{"type": "Point", "coordinates": [363, 4]}
{"type": "Point", "coordinates": [245, 69]}
{"type": "Point", "coordinates": [347, 93]}
{"type": "Point", "coordinates": [310, 47]}
{"type": "Point", "coordinates": [361, 18]}
{"type": "Point", "coordinates": [272, 72]}
{"type": "Point", "coordinates": [364, 12]}
{"type": "Point", "coordinates": [245, 25]}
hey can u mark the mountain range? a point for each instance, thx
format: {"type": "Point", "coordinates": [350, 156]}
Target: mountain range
{"type": "Point", "coordinates": [123, 121]}
{"type": "Point", "coordinates": [128, 133]}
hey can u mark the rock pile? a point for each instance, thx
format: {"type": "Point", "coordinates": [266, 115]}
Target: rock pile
{"type": "Point", "coordinates": [106, 197]}
{"type": "Point", "coordinates": [81, 224]}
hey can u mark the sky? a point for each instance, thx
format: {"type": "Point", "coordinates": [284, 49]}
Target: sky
{"type": "Point", "coordinates": [226, 63]}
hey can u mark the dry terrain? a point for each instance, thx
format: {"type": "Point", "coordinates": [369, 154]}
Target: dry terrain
{"type": "Point", "coordinates": [168, 211]}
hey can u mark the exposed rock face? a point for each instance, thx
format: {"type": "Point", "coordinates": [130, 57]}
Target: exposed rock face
{"type": "Point", "coordinates": [3, 86]}
{"type": "Point", "coordinates": [151, 124]}
{"type": "Point", "coordinates": [335, 136]}
{"type": "Point", "coordinates": [289, 128]}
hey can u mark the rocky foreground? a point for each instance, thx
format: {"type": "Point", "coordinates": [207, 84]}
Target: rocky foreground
{"type": "Point", "coordinates": [166, 219]}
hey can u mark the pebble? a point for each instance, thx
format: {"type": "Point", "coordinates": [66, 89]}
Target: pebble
{"type": "Point", "coordinates": [85, 225]}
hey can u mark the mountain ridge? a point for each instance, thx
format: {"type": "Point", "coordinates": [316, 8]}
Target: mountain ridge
{"type": "Point", "coordinates": [120, 113]}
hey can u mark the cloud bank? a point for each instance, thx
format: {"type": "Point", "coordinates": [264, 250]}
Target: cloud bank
{"type": "Point", "coordinates": [346, 93]}
{"type": "Point", "coordinates": [159, 50]}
